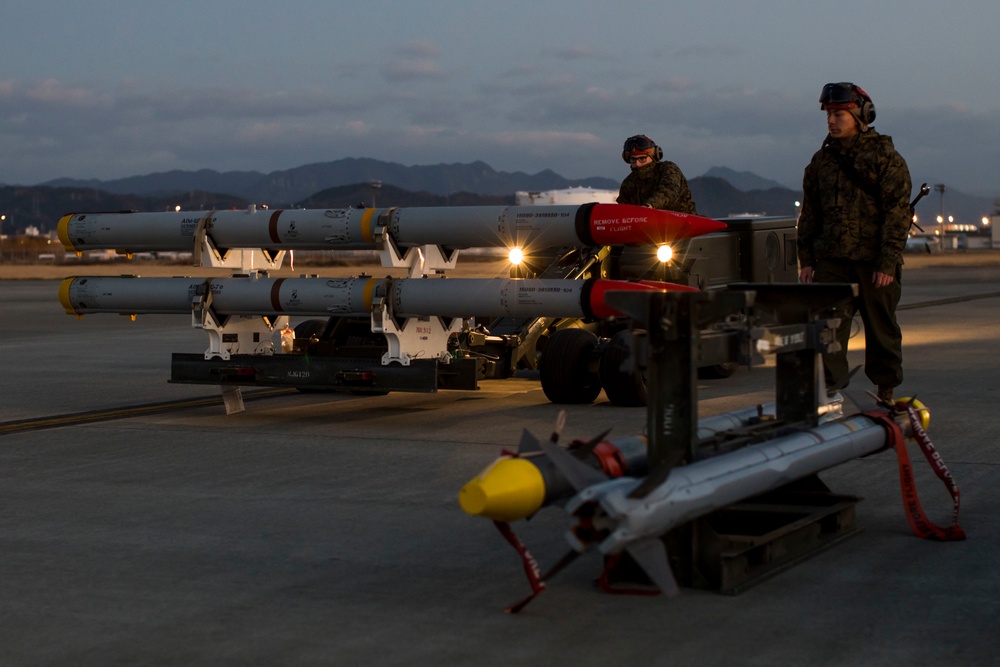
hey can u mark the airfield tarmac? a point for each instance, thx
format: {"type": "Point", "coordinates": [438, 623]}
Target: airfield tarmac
{"type": "Point", "coordinates": [324, 529]}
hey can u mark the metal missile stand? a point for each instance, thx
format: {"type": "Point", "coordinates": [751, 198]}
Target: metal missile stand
{"type": "Point", "coordinates": [743, 544]}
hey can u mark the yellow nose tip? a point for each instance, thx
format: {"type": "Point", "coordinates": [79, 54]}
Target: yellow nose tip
{"type": "Point", "coordinates": [510, 489]}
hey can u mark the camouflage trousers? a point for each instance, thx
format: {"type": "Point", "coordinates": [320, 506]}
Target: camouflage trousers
{"type": "Point", "coordinates": [877, 306]}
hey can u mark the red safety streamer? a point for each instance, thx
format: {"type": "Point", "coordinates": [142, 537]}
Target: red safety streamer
{"type": "Point", "coordinates": [531, 568]}
{"type": "Point", "coordinates": [922, 526]}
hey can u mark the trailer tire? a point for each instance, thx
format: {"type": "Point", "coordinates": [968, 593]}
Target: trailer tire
{"type": "Point", "coordinates": [309, 328]}
{"type": "Point", "coordinates": [565, 367]}
{"type": "Point", "coordinates": [622, 387]}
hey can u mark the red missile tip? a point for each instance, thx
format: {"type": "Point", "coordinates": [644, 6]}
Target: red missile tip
{"type": "Point", "coordinates": [625, 224]}
{"type": "Point", "coordinates": [599, 307]}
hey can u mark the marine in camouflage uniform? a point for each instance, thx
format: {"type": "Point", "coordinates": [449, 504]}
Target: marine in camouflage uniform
{"type": "Point", "coordinates": [655, 182]}
{"type": "Point", "coordinates": [852, 229]}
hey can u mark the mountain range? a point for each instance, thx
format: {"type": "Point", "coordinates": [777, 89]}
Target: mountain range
{"type": "Point", "coordinates": [720, 192]}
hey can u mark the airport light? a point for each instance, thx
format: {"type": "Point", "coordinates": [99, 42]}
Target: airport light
{"type": "Point", "coordinates": [515, 256]}
{"type": "Point", "coordinates": [664, 253]}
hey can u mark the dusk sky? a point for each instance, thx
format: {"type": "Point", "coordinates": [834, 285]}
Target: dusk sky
{"type": "Point", "coordinates": [107, 89]}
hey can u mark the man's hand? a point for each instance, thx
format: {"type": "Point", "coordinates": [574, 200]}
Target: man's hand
{"type": "Point", "coordinates": [806, 274]}
{"type": "Point", "coordinates": [881, 279]}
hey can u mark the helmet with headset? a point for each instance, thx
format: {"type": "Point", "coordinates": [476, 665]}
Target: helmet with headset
{"type": "Point", "coordinates": [639, 145]}
{"type": "Point", "coordinates": [846, 95]}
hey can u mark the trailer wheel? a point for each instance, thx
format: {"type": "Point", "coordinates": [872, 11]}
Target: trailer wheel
{"type": "Point", "coordinates": [565, 367]}
{"type": "Point", "coordinates": [624, 388]}
{"type": "Point", "coordinates": [308, 328]}
{"type": "Point", "coordinates": [718, 371]}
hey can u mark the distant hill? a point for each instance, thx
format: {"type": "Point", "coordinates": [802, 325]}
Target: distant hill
{"type": "Point", "coordinates": [361, 194]}
{"type": "Point", "coordinates": [42, 207]}
{"type": "Point", "coordinates": [292, 186]}
{"type": "Point", "coordinates": [743, 180]}
{"type": "Point", "coordinates": [348, 182]}
{"type": "Point", "coordinates": [717, 198]}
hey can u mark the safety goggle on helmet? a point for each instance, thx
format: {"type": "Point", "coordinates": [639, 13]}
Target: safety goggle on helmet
{"type": "Point", "coordinates": [640, 145]}
{"type": "Point", "coordinates": [844, 95]}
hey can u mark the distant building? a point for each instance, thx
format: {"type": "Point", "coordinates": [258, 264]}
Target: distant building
{"type": "Point", "coordinates": [569, 197]}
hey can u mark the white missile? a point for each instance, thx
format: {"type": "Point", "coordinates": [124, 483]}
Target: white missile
{"type": "Point", "coordinates": [454, 227]}
{"type": "Point", "coordinates": [628, 521]}
{"type": "Point", "coordinates": [515, 487]}
{"type": "Point", "coordinates": [407, 297]}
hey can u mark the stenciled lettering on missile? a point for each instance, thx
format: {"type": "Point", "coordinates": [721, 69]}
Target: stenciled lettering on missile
{"type": "Point", "coordinates": [544, 214]}
{"type": "Point", "coordinates": [541, 288]}
{"type": "Point", "coordinates": [190, 225]}
{"type": "Point", "coordinates": [336, 213]}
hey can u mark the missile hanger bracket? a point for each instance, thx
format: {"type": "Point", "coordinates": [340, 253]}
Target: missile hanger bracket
{"type": "Point", "coordinates": [235, 334]}
{"type": "Point", "coordinates": [413, 337]}
{"type": "Point", "coordinates": [207, 254]}
{"type": "Point", "coordinates": [419, 260]}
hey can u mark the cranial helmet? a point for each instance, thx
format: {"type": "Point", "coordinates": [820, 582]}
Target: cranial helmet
{"type": "Point", "coordinates": [846, 95]}
{"type": "Point", "coordinates": [640, 144]}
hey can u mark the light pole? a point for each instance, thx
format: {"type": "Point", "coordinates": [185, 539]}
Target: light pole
{"type": "Point", "coordinates": [940, 188]}
{"type": "Point", "coordinates": [375, 186]}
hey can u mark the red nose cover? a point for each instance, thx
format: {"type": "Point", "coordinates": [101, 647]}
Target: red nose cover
{"type": "Point", "coordinates": [625, 224]}
{"type": "Point", "coordinates": [597, 302]}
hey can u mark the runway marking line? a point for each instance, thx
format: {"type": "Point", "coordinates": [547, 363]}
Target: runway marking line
{"type": "Point", "coordinates": [93, 416]}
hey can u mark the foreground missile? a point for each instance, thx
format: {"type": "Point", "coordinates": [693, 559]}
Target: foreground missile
{"type": "Point", "coordinates": [407, 297]}
{"type": "Point", "coordinates": [516, 486]}
{"type": "Point", "coordinates": [591, 225]}
{"type": "Point", "coordinates": [632, 520]}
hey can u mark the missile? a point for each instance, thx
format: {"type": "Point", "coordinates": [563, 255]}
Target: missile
{"type": "Point", "coordinates": [616, 515]}
{"type": "Point", "coordinates": [455, 227]}
{"type": "Point", "coordinates": [407, 297]}
{"type": "Point", "coordinates": [515, 486]}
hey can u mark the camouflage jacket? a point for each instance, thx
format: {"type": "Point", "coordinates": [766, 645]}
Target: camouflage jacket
{"type": "Point", "coordinates": [659, 185]}
{"type": "Point", "coordinates": [856, 203]}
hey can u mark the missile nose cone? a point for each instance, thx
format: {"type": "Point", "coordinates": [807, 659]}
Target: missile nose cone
{"type": "Point", "coordinates": [510, 489]}
{"type": "Point", "coordinates": [625, 224]}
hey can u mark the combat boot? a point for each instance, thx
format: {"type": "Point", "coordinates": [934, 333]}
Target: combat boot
{"type": "Point", "coordinates": [884, 394]}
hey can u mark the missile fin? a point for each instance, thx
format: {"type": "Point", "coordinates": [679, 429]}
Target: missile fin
{"type": "Point", "coordinates": [578, 474]}
{"type": "Point", "coordinates": [651, 555]}
{"type": "Point", "coordinates": [588, 447]}
{"type": "Point", "coordinates": [529, 444]}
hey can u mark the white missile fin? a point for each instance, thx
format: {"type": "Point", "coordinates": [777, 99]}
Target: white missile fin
{"type": "Point", "coordinates": [651, 555]}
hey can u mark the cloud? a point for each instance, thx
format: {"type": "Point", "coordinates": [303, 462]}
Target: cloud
{"type": "Point", "coordinates": [421, 48]}
{"type": "Point", "coordinates": [417, 61]}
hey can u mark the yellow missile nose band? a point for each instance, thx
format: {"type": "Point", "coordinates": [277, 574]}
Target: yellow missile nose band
{"type": "Point", "coordinates": [63, 231]}
{"type": "Point", "coordinates": [508, 490]}
{"type": "Point", "coordinates": [64, 299]}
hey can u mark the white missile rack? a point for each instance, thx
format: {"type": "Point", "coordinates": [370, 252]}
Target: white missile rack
{"type": "Point", "coordinates": [407, 340]}
{"type": "Point", "coordinates": [414, 337]}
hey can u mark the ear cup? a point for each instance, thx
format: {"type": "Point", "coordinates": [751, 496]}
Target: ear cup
{"type": "Point", "coordinates": [866, 108]}
{"type": "Point", "coordinates": [867, 112]}
{"type": "Point", "coordinates": [657, 153]}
